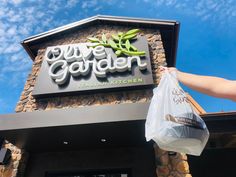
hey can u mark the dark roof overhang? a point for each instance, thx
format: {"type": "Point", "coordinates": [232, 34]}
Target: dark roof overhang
{"type": "Point", "coordinates": [169, 31]}
{"type": "Point", "coordinates": [84, 127]}
{"type": "Point", "coordinates": [221, 122]}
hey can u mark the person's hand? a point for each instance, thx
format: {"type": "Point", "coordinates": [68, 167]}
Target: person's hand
{"type": "Point", "coordinates": [169, 69]}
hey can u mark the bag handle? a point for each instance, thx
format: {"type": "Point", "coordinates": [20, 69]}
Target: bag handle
{"type": "Point", "coordinates": [173, 77]}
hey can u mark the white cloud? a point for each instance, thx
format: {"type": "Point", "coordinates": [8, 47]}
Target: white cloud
{"type": "Point", "coordinates": [20, 19]}
{"type": "Point", "coordinates": [12, 48]}
{"type": "Point", "coordinates": [71, 3]}
{"type": "Point", "coordinates": [12, 31]}
{"type": "Point", "coordinates": [16, 2]}
{"type": "Point", "coordinates": [89, 4]}
{"type": "Point", "coordinates": [16, 23]}
{"type": "Point", "coordinates": [215, 11]}
{"type": "Point", "coordinates": [171, 2]}
{"type": "Point", "coordinates": [2, 104]}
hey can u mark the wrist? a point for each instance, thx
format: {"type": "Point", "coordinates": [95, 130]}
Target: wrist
{"type": "Point", "coordinates": [178, 75]}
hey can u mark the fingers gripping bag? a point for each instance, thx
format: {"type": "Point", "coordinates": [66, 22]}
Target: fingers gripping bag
{"type": "Point", "coordinates": [171, 120]}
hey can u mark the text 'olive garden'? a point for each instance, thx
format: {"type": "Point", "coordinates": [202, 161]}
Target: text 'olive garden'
{"type": "Point", "coordinates": [80, 59]}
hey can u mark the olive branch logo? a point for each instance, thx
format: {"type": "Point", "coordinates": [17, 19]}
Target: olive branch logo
{"type": "Point", "coordinates": [120, 43]}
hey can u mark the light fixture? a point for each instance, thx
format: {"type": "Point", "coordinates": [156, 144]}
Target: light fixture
{"type": "Point", "coordinates": [171, 153]}
{"type": "Point", "coordinates": [103, 140]}
{"type": "Point", "coordinates": [65, 142]}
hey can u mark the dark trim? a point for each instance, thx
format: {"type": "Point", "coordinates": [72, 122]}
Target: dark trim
{"type": "Point", "coordinates": [95, 114]}
{"type": "Point", "coordinates": [175, 42]}
{"type": "Point", "coordinates": [28, 50]}
{"type": "Point", "coordinates": [83, 127]}
{"type": "Point", "coordinates": [220, 122]}
{"type": "Point", "coordinates": [164, 25]}
{"type": "Point", "coordinates": [1, 142]}
{"type": "Point", "coordinates": [74, 116]}
{"type": "Point", "coordinates": [100, 90]}
{"type": "Point", "coordinates": [101, 18]}
{"type": "Point", "coordinates": [218, 115]}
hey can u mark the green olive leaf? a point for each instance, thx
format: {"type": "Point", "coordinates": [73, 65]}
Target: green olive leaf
{"type": "Point", "coordinates": [131, 36]}
{"type": "Point", "coordinates": [133, 31]}
{"type": "Point", "coordinates": [104, 39]}
{"type": "Point", "coordinates": [141, 53]}
{"type": "Point", "coordinates": [120, 33]}
{"type": "Point", "coordinates": [115, 37]}
{"type": "Point", "coordinates": [119, 42]}
{"type": "Point", "coordinates": [118, 52]}
{"type": "Point", "coordinates": [138, 53]}
{"type": "Point", "coordinates": [93, 39]}
{"type": "Point", "coordinates": [133, 48]}
{"type": "Point", "coordinates": [112, 44]}
{"type": "Point", "coordinates": [127, 45]}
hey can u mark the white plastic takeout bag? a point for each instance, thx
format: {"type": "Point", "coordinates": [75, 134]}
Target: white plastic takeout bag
{"type": "Point", "coordinates": [171, 120]}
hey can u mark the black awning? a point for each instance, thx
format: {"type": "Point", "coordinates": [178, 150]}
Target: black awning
{"type": "Point", "coordinates": [91, 127]}
{"type": "Point", "coordinates": [80, 128]}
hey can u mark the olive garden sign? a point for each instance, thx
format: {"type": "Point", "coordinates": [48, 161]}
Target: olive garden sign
{"type": "Point", "coordinates": [120, 62]}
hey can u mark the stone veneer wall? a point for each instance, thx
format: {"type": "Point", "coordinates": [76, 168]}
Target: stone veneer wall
{"type": "Point", "coordinates": [171, 165]}
{"type": "Point", "coordinates": [17, 164]}
{"type": "Point", "coordinates": [28, 103]}
{"type": "Point", "coordinates": [174, 166]}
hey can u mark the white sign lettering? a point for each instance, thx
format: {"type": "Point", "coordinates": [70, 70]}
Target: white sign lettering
{"type": "Point", "coordinates": [80, 59]}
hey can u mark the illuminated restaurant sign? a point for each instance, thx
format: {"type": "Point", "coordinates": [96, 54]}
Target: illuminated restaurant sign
{"type": "Point", "coordinates": [95, 65]}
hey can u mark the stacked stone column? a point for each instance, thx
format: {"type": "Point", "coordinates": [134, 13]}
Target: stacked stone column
{"type": "Point", "coordinates": [171, 164]}
{"type": "Point", "coordinates": [17, 162]}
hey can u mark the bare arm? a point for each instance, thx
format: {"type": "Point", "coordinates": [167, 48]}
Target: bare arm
{"type": "Point", "coordinates": [213, 86]}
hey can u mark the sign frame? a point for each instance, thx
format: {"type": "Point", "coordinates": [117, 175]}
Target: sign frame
{"type": "Point", "coordinates": [45, 86]}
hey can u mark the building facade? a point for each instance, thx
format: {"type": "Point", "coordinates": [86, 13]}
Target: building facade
{"type": "Point", "coordinates": [62, 130]}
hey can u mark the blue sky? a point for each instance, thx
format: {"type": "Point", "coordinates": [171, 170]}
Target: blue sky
{"type": "Point", "coordinates": [207, 41]}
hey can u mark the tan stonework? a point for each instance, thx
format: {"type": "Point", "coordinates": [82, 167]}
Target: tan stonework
{"type": "Point", "coordinates": [176, 166]}
{"type": "Point", "coordinates": [171, 165]}
{"type": "Point", "coordinates": [17, 162]}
